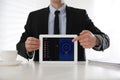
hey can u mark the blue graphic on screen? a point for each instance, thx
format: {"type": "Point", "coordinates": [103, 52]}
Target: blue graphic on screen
{"type": "Point", "coordinates": [58, 49]}
{"type": "Point", "coordinates": [66, 49]}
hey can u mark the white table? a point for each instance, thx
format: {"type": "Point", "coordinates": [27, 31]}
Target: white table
{"type": "Point", "coordinates": [80, 71]}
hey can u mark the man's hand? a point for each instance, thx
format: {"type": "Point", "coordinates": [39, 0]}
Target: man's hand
{"type": "Point", "coordinates": [87, 39]}
{"type": "Point", "coordinates": [32, 44]}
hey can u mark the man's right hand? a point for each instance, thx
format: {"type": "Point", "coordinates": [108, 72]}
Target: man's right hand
{"type": "Point", "coordinates": [32, 44]}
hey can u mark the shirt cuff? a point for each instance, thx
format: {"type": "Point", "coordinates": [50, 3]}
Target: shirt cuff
{"type": "Point", "coordinates": [30, 54]}
{"type": "Point", "coordinates": [99, 46]}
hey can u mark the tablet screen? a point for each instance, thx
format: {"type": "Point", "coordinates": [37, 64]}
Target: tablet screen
{"type": "Point", "coordinates": [58, 49]}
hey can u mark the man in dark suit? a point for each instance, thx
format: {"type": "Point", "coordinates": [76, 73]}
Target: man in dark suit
{"type": "Point", "coordinates": [71, 21]}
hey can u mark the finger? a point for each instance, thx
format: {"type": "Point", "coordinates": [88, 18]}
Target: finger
{"type": "Point", "coordinates": [75, 39]}
{"type": "Point", "coordinates": [32, 42]}
{"type": "Point", "coordinates": [29, 43]}
{"type": "Point", "coordinates": [32, 39]}
{"type": "Point", "coordinates": [85, 36]}
{"type": "Point", "coordinates": [84, 40]}
{"type": "Point", "coordinates": [84, 32]}
{"type": "Point", "coordinates": [33, 47]}
{"type": "Point", "coordinates": [85, 45]}
{"type": "Point", "coordinates": [78, 38]}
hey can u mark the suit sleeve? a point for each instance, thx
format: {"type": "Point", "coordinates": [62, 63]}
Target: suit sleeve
{"type": "Point", "coordinates": [104, 41]}
{"type": "Point", "coordinates": [21, 44]}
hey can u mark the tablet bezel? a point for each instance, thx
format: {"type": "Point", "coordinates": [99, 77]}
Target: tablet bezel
{"type": "Point", "coordinates": [56, 36]}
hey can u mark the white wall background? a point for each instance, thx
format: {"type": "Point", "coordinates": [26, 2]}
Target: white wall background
{"type": "Point", "coordinates": [104, 14]}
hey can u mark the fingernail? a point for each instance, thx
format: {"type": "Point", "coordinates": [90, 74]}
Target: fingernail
{"type": "Point", "coordinates": [72, 40]}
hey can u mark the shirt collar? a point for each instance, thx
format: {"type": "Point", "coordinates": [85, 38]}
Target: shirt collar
{"type": "Point", "coordinates": [62, 9]}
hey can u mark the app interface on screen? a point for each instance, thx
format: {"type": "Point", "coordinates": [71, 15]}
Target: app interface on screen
{"type": "Point", "coordinates": [58, 49]}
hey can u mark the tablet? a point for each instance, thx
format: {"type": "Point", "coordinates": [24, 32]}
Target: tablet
{"type": "Point", "coordinates": [57, 49]}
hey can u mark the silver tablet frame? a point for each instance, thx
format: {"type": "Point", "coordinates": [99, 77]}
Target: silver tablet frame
{"type": "Point", "coordinates": [57, 36]}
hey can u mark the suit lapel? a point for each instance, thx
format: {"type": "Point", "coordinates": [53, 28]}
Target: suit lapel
{"type": "Point", "coordinates": [68, 20]}
{"type": "Point", "coordinates": [46, 18]}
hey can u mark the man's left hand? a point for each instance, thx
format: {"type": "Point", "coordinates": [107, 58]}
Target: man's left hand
{"type": "Point", "coordinates": [87, 39]}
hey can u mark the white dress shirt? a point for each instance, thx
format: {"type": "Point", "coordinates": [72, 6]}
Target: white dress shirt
{"type": "Point", "coordinates": [62, 19]}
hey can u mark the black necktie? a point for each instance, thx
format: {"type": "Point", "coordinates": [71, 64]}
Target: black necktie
{"type": "Point", "coordinates": [56, 22]}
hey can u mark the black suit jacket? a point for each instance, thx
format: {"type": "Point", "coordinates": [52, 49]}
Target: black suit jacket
{"type": "Point", "coordinates": [37, 23]}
